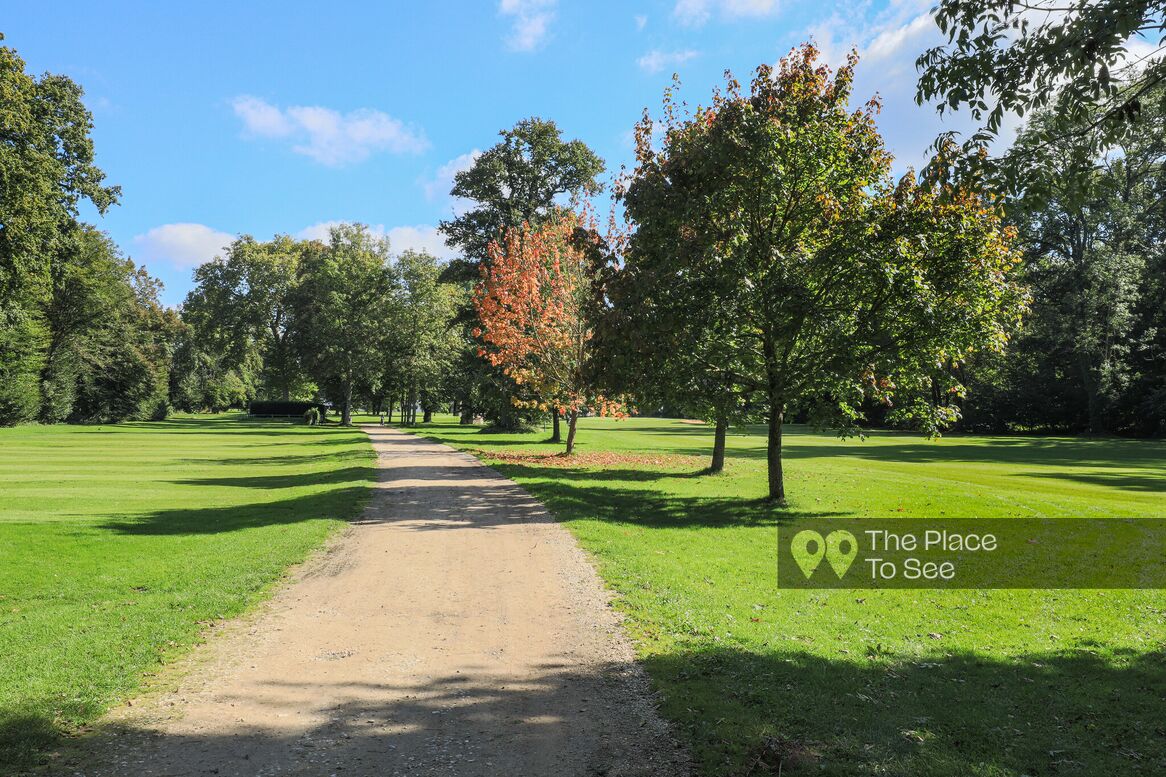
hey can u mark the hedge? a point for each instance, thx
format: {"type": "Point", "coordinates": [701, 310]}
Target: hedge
{"type": "Point", "coordinates": [285, 408]}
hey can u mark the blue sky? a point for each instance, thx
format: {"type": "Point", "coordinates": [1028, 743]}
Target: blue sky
{"type": "Point", "coordinates": [220, 118]}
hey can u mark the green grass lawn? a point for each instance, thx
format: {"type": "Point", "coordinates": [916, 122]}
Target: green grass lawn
{"type": "Point", "coordinates": [119, 543]}
{"type": "Point", "coordinates": [985, 683]}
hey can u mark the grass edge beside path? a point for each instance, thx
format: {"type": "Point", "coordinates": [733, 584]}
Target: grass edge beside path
{"type": "Point", "coordinates": [759, 680]}
{"type": "Point", "coordinates": [121, 547]}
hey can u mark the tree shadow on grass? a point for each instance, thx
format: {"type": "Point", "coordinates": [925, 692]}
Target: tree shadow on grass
{"type": "Point", "coordinates": [298, 480]}
{"type": "Point", "coordinates": [1060, 453]}
{"type": "Point", "coordinates": [995, 450]}
{"type": "Point", "coordinates": [1148, 481]}
{"type": "Point", "coordinates": [585, 494]}
{"type": "Point", "coordinates": [240, 427]}
{"type": "Point", "coordinates": [1069, 714]}
{"type": "Point", "coordinates": [1065, 713]}
{"type": "Point", "coordinates": [330, 504]}
{"type": "Point", "coordinates": [291, 459]}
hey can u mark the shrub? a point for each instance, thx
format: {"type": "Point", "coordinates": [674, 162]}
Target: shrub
{"type": "Point", "coordinates": [162, 410]}
{"type": "Point", "coordinates": [22, 347]}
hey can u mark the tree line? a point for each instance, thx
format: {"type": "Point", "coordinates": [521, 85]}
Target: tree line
{"type": "Point", "coordinates": [83, 336]}
{"type": "Point", "coordinates": [759, 264]}
{"type": "Point", "coordinates": [343, 320]}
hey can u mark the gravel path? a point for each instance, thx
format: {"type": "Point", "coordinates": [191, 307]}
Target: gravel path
{"type": "Point", "coordinates": [455, 629]}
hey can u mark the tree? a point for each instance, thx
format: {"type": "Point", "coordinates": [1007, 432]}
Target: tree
{"type": "Point", "coordinates": [518, 181]}
{"type": "Point", "coordinates": [663, 337]}
{"type": "Point", "coordinates": [1098, 60]}
{"type": "Point", "coordinates": [240, 308]}
{"type": "Point", "coordinates": [535, 319]}
{"type": "Point", "coordinates": [424, 341]}
{"type": "Point", "coordinates": [341, 307]}
{"type": "Point", "coordinates": [46, 170]}
{"type": "Point", "coordinates": [1090, 224]}
{"type": "Point", "coordinates": [22, 357]}
{"type": "Point", "coordinates": [92, 318]}
{"type": "Point", "coordinates": [829, 282]}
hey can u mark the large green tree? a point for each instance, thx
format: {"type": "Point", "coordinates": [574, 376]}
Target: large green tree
{"type": "Point", "coordinates": [517, 181]}
{"type": "Point", "coordinates": [342, 310]}
{"type": "Point", "coordinates": [46, 170]}
{"type": "Point", "coordinates": [521, 180]}
{"type": "Point", "coordinates": [109, 338]}
{"type": "Point", "coordinates": [423, 343]}
{"type": "Point", "coordinates": [1090, 224]}
{"type": "Point", "coordinates": [240, 308]}
{"type": "Point", "coordinates": [830, 283]}
{"type": "Point", "coordinates": [1096, 59]}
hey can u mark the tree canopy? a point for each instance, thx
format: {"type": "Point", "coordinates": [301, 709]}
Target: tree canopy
{"type": "Point", "coordinates": [829, 282]}
{"type": "Point", "coordinates": [536, 315]}
{"type": "Point", "coordinates": [342, 310]}
{"type": "Point", "coordinates": [1096, 60]}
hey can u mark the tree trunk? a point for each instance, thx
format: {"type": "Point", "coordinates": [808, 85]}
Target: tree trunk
{"type": "Point", "coordinates": [556, 432]}
{"type": "Point", "coordinates": [346, 413]}
{"type": "Point", "coordinates": [389, 412]}
{"type": "Point", "coordinates": [428, 417]}
{"type": "Point", "coordinates": [776, 480]}
{"type": "Point", "coordinates": [467, 416]}
{"type": "Point", "coordinates": [572, 417]}
{"type": "Point", "coordinates": [506, 416]}
{"type": "Point", "coordinates": [718, 464]}
{"type": "Point", "coordinates": [1092, 395]}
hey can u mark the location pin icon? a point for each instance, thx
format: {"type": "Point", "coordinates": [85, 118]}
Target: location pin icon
{"type": "Point", "coordinates": [807, 548]}
{"type": "Point", "coordinates": [841, 548]}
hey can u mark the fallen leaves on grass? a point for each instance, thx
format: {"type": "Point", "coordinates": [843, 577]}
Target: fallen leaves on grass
{"type": "Point", "coordinates": [598, 459]}
{"type": "Point", "coordinates": [779, 755]}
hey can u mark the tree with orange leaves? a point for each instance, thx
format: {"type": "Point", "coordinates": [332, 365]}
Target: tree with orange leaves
{"type": "Point", "coordinates": [534, 304]}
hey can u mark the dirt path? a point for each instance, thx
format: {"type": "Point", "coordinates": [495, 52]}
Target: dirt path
{"type": "Point", "coordinates": [455, 629]}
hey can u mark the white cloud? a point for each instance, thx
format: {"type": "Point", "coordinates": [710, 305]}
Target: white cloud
{"type": "Point", "coordinates": [888, 42]}
{"type": "Point", "coordinates": [440, 184]}
{"type": "Point", "coordinates": [532, 19]}
{"type": "Point", "coordinates": [183, 245]}
{"type": "Point", "coordinates": [641, 21]}
{"type": "Point", "coordinates": [321, 230]}
{"type": "Point", "coordinates": [328, 136]}
{"type": "Point", "coordinates": [694, 13]}
{"type": "Point", "coordinates": [262, 118]}
{"type": "Point", "coordinates": [421, 237]}
{"type": "Point", "coordinates": [900, 45]}
{"type": "Point", "coordinates": [655, 61]}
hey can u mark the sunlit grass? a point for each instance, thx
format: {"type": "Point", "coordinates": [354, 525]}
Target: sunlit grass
{"type": "Point", "coordinates": [119, 543]}
{"type": "Point", "coordinates": [858, 682]}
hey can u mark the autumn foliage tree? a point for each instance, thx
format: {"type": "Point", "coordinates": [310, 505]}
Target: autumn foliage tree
{"type": "Point", "coordinates": [769, 221]}
{"type": "Point", "coordinates": [534, 304]}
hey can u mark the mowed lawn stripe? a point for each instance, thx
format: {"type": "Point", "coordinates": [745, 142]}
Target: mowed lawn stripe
{"type": "Point", "coordinates": [118, 544]}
